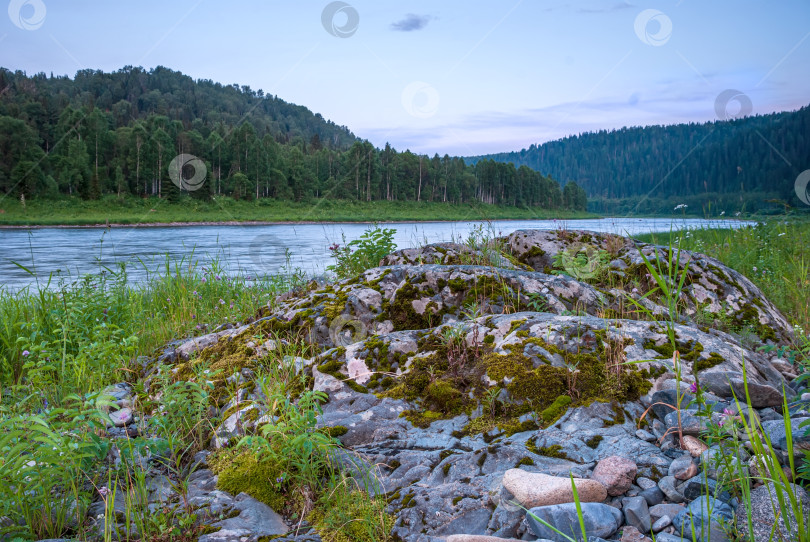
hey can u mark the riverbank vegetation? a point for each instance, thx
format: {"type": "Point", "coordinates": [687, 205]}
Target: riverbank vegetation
{"type": "Point", "coordinates": [223, 209]}
{"type": "Point", "coordinates": [774, 255]}
{"type": "Point", "coordinates": [61, 345]}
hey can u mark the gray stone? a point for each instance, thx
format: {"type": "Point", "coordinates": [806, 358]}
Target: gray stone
{"type": "Point", "coordinates": [255, 520]}
{"type": "Point", "coordinates": [690, 423]}
{"type": "Point", "coordinates": [196, 344]}
{"type": "Point", "coordinates": [659, 429]}
{"type": "Point", "coordinates": [645, 483]}
{"type": "Point", "coordinates": [600, 520]}
{"type": "Point", "coordinates": [121, 393]}
{"type": "Point", "coordinates": [730, 384]}
{"type": "Point", "coordinates": [631, 534]}
{"type": "Point", "coordinates": [699, 485]}
{"type": "Point", "coordinates": [653, 496]}
{"type": "Point", "coordinates": [725, 468]}
{"type": "Point", "coordinates": [477, 538]}
{"type": "Point", "coordinates": [236, 425]}
{"type": "Point", "coordinates": [664, 401]}
{"type": "Point", "coordinates": [711, 282]}
{"type": "Point", "coordinates": [160, 489]}
{"type": "Point", "coordinates": [645, 435]}
{"type": "Point", "coordinates": [474, 521]}
{"type": "Point", "coordinates": [683, 468]}
{"type": "Point", "coordinates": [667, 486]}
{"type": "Point", "coordinates": [122, 417]}
{"type": "Point", "coordinates": [666, 537]}
{"type": "Point", "coordinates": [637, 513]}
{"type": "Point", "coordinates": [719, 455]}
{"type": "Point", "coordinates": [709, 517]}
{"type": "Point", "coordinates": [764, 502]}
{"type": "Point", "coordinates": [769, 414]}
{"type": "Point", "coordinates": [778, 437]}
{"type": "Point", "coordinates": [660, 510]}
{"type": "Point", "coordinates": [662, 523]}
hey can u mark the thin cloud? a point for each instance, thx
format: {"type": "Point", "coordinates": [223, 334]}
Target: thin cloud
{"type": "Point", "coordinates": [609, 9]}
{"type": "Point", "coordinates": [410, 23]}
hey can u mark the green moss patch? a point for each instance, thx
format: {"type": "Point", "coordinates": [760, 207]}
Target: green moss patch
{"type": "Point", "coordinates": [243, 471]}
{"type": "Point", "coordinates": [594, 441]}
{"type": "Point", "coordinates": [555, 410]}
{"type": "Point", "coordinates": [713, 360]}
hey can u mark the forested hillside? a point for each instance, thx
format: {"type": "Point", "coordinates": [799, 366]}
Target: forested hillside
{"type": "Point", "coordinates": [116, 133]}
{"type": "Point", "coordinates": [736, 165]}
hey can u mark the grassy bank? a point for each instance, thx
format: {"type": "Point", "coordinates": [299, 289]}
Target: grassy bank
{"type": "Point", "coordinates": [775, 255]}
{"type": "Point", "coordinates": [111, 210]}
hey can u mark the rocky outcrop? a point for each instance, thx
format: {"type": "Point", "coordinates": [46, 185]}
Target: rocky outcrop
{"type": "Point", "coordinates": [474, 381]}
{"type": "Point", "coordinates": [710, 287]}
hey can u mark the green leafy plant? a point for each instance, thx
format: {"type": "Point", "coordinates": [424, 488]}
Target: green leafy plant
{"type": "Point", "coordinates": [44, 460]}
{"type": "Point", "coordinates": [360, 254]}
{"type": "Point", "coordinates": [183, 415]}
{"type": "Point", "coordinates": [288, 447]}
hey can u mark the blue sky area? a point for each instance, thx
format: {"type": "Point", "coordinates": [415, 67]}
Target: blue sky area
{"type": "Point", "coordinates": [449, 77]}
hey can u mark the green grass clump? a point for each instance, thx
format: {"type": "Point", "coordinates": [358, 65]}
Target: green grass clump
{"type": "Point", "coordinates": [774, 255]}
{"type": "Point", "coordinates": [62, 342]}
{"type": "Point", "coordinates": [77, 337]}
{"type": "Point", "coordinates": [346, 513]}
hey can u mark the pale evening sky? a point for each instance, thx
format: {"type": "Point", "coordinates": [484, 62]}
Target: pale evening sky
{"type": "Point", "coordinates": [448, 77]}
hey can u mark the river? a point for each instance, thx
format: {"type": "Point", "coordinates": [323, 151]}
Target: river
{"type": "Point", "coordinates": [252, 250]}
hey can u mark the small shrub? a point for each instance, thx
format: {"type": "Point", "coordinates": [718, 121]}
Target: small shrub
{"type": "Point", "coordinates": [364, 253]}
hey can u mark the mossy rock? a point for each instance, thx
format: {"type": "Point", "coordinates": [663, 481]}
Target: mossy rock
{"type": "Point", "coordinates": [245, 471]}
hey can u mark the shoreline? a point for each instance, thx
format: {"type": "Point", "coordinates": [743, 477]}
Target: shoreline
{"type": "Point", "coordinates": [310, 222]}
{"type": "Point", "coordinates": [264, 223]}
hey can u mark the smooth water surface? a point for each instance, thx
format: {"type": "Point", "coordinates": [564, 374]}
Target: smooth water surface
{"type": "Point", "coordinates": [252, 250]}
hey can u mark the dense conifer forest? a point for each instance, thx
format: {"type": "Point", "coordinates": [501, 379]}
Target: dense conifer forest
{"type": "Point", "coordinates": [746, 164]}
{"type": "Point", "coordinates": [100, 133]}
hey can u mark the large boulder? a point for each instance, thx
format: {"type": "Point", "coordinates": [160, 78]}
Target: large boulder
{"type": "Point", "coordinates": [452, 371]}
{"type": "Point", "coordinates": [533, 489]}
{"type": "Point", "coordinates": [711, 287]}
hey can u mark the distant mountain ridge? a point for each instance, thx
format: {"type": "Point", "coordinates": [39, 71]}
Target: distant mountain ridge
{"type": "Point", "coordinates": [742, 161]}
{"type": "Point", "coordinates": [136, 93]}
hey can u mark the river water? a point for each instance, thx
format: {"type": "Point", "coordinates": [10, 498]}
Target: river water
{"type": "Point", "coordinates": [251, 250]}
